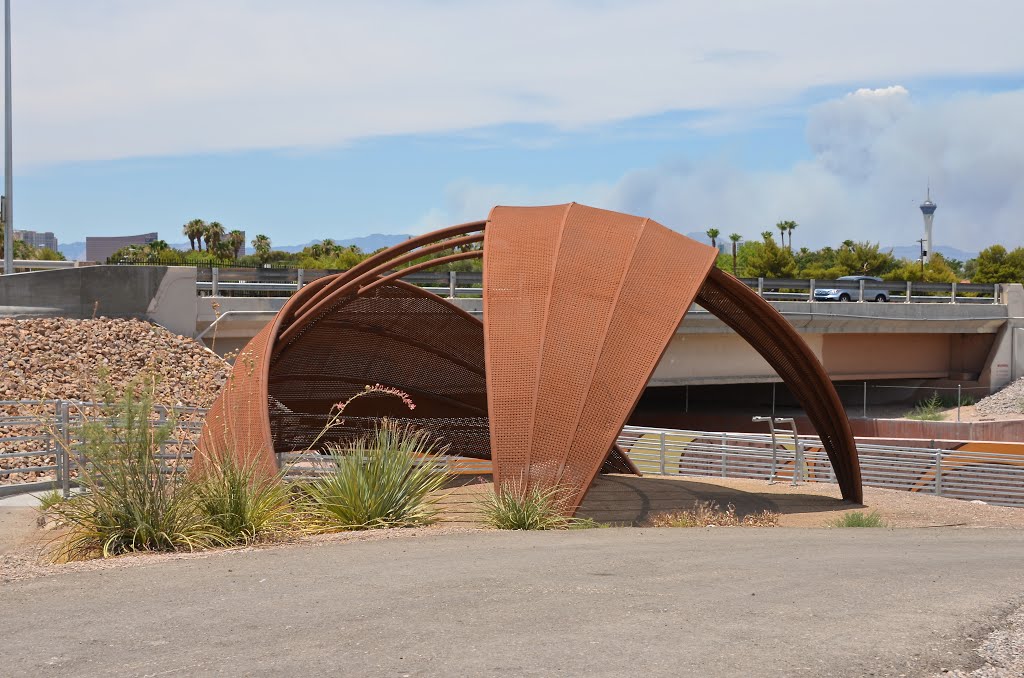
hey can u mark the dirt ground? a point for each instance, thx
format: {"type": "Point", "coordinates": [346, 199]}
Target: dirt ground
{"type": "Point", "coordinates": [616, 499]}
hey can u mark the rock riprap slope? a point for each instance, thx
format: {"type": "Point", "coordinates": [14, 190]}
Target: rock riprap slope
{"type": "Point", "coordinates": [60, 358]}
{"type": "Point", "coordinates": [1010, 400]}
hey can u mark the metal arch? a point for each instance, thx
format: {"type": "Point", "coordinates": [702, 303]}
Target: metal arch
{"type": "Point", "coordinates": [582, 392]}
{"type": "Point", "coordinates": [781, 346]}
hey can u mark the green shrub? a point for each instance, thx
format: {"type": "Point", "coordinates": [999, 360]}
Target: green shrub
{"type": "Point", "coordinates": [857, 519]}
{"type": "Point", "coordinates": [242, 505]}
{"type": "Point", "coordinates": [514, 506]}
{"type": "Point", "coordinates": [929, 409]}
{"type": "Point", "coordinates": [130, 503]}
{"type": "Point", "coordinates": [50, 499]}
{"type": "Point", "coordinates": [384, 480]}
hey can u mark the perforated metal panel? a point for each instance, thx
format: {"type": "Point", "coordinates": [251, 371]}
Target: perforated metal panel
{"type": "Point", "coordinates": [567, 361]}
{"type": "Point", "coordinates": [237, 423]}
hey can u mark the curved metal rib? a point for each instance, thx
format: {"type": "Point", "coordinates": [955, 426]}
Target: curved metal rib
{"type": "Point", "coordinates": [780, 345]}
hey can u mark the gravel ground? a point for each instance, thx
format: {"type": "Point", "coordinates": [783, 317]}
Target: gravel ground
{"type": "Point", "coordinates": [1008, 401]}
{"type": "Point", "coordinates": [60, 358]}
{"type": "Point", "coordinates": [1002, 652]}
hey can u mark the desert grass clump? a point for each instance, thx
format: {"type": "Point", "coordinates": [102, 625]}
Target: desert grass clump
{"type": "Point", "coordinates": [384, 480]}
{"type": "Point", "coordinates": [709, 513]}
{"type": "Point", "coordinates": [858, 519]}
{"type": "Point", "coordinates": [929, 409]}
{"type": "Point", "coordinates": [131, 500]}
{"type": "Point", "coordinates": [50, 499]}
{"type": "Point", "coordinates": [514, 505]}
{"type": "Point", "coordinates": [243, 505]}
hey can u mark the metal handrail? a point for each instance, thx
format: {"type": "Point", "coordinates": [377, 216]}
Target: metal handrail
{"type": "Point", "coordinates": [467, 284]}
{"type": "Point", "coordinates": [986, 476]}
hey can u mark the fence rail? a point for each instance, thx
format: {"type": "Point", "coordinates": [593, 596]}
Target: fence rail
{"type": "Point", "coordinates": [215, 281]}
{"type": "Point", "coordinates": [995, 478]}
{"type": "Point", "coordinates": [990, 477]}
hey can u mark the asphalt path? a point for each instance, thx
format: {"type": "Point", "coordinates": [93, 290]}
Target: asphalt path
{"type": "Point", "coordinates": [603, 602]}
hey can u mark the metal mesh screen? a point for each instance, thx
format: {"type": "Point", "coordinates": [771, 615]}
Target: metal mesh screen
{"type": "Point", "coordinates": [399, 336]}
{"type": "Point", "coordinates": [237, 423]}
{"type": "Point", "coordinates": [780, 345]}
{"type": "Point", "coordinates": [567, 361]}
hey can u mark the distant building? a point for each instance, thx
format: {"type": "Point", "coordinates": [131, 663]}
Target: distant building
{"type": "Point", "coordinates": [99, 249]}
{"type": "Point", "coordinates": [37, 239]}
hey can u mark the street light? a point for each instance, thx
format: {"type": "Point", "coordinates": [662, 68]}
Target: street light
{"type": "Point", "coordinates": [8, 163]}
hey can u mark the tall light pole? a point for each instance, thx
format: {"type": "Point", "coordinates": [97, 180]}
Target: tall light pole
{"type": "Point", "coordinates": [8, 162]}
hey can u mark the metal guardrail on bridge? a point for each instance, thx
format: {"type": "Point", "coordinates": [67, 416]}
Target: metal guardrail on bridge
{"type": "Point", "coordinates": [283, 282]}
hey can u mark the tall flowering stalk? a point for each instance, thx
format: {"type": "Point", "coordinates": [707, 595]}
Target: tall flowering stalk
{"type": "Point", "coordinates": [338, 409]}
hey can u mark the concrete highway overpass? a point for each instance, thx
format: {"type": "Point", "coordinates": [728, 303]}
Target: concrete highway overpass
{"type": "Point", "coordinates": [970, 343]}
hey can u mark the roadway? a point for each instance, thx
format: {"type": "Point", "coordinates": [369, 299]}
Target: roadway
{"type": "Point", "coordinates": [608, 602]}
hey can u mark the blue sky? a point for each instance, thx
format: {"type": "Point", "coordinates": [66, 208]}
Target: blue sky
{"type": "Point", "coordinates": [402, 116]}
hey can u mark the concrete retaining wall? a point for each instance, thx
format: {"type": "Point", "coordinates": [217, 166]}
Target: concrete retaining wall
{"type": "Point", "coordinates": [162, 294]}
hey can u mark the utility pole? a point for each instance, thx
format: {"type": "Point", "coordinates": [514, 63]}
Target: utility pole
{"type": "Point", "coordinates": [8, 202]}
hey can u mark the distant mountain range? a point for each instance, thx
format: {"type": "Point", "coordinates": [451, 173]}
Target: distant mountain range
{"type": "Point", "coordinates": [375, 241]}
{"type": "Point", "coordinates": [367, 243]}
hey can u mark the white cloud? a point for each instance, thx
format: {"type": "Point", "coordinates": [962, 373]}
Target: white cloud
{"type": "Point", "coordinates": [122, 78]}
{"type": "Point", "coordinates": [873, 151]}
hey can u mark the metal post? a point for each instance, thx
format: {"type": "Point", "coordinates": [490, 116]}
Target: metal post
{"type": "Point", "coordinates": [798, 462]}
{"type": "Point", "coordinates": [760, 287]}
{"type": "Point", "coordinates": [775, 461]}
{"type": "Point", "coordinates": [452, 284]}
{"type": "Point", "coordinates": [938, 472]}
{"type": "Point", "coordinates": [214, 282]}
{"type": "Point", "coordinates": [65, 444]}
{"type": "Point", "coordinates": [861, 296]}
{"type": "Point", "coordinates": [773, 398]}
{"type": "Point", "coordinates": [724, 445]}
{"type": "Point", "coordinates": [952, 294]}
{"type": "Point", "coordinates": [909, 292]}
{"type": "Point", "coordinates": [686, 404]}
{"type": "Point", "coordinates": [300, 278]}
{"type": "Point", "coordinates": [8, 153]}
{"type": "Point", "coordinates": [865, 413]}
{"type": "Point", "coordinates": [959, 401]}
{"type": "Point", "coordinates": [810, 290]}
{"type": "Point", "coordinates": [995, 293]}
{"type": "Point", "coordinates": [662, 460]}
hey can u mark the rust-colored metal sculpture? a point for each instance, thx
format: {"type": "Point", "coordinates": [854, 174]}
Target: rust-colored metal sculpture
{"type": "Point", "coordinates": [579, 305]}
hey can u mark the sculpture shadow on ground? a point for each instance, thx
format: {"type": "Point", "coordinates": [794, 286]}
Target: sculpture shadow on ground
{"type": "Point", "coordinates": [631, 500]}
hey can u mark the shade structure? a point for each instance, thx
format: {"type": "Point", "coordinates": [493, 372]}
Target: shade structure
{"type": "Point", "coordinates": [579, 304]}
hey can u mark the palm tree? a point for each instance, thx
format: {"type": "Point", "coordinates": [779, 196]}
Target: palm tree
{"type": "Point", "coordinates": [783, 226]}
{"type": "Point", "coordinates": [261, 244]}
{"type": "Point", "coordinates": [193, 230]}
{"type": "Point", "coordinates": [214, 235]}
{"type": "Point", "coordinates": [713, 234]}
{"type": "Point", "coordinates": [791, 226]}
{"type": "Point", "coordinates": [735, 238]}
{"type": "Point", "coordinates": [236, 241]}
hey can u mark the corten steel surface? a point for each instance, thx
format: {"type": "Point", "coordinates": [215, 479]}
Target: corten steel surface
{"type": "Point", "coordinates": [579, 305]}
{"type": "Point", "coordinates": [780, 345]}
